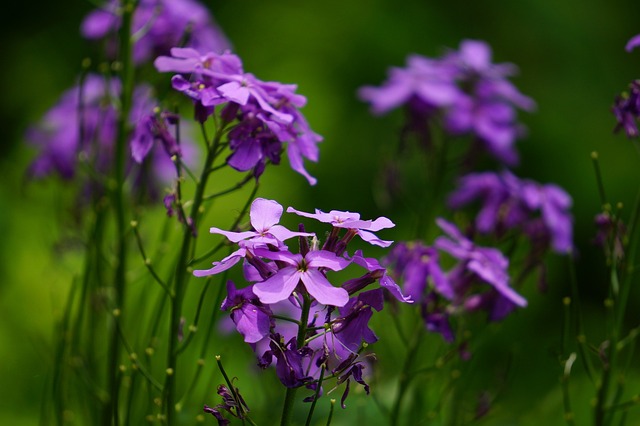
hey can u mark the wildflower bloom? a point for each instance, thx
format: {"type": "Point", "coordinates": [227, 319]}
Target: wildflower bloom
{"type": "Point", "coordinates": [426, 82]}
{"type": "Point", "coordinates": [486, 263]}
{"type": "Point", "coordinates": [253, 320]}
{"type": "Point", "coordinates": [83, 125]}
{"type": "Point", "coordinates": [267, 113]}
{"type": "Point", "coordinates": [339, 219]}
{"type": "Point", "coordinates": [302, 269]}
{"type": "Point", "coordinates": [265, 216]}
{"type": "Point", "coordinates": [472, 94]}
{"type": "Point", "coordinates": [541, 211]}
{"type": "Point", "coordinates": [158, 25]}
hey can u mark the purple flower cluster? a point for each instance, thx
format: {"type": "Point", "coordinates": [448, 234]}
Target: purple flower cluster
{"type": "Point", "coordinates": [284, 283]}
{"type": "Point", "coordinates": [82, 125]}
{"type": "Point", "coordinates": [471, 94]}
{"type": "Point", "coordinates": [541, 212]}
{"type": "Point", "coordinates": [626, 106]}
{"type": "Point", "coordinates": [267, 113]}
{"type": "Point", "coordinates": [158, 25]}
{"type": "Point", "coordinates": [479, 280]}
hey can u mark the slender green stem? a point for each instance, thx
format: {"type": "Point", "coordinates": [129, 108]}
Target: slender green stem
{"type": "Point", "coordinates": [181, 276]}
{"type": "Point", "coordinates": [333, 403]}
{"type": "Point", "coordinates": [110, 413]}
{"type": "Point", "coordinates": [405, 377]}
{"type": "Point", "coordinates": [287, 408]}
{"type": "Point", "coordinates": [315, 397]}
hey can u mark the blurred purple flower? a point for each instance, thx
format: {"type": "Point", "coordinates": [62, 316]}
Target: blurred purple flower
{"type": "Point", "coordinates": [83, 126]}
{"type": "Point", "coordinates": [626, 109]}
{"type": "Point", "coordinates": [158, 25]}
{"type": "Point", "coordinates": [488, 264]}
{"type": "Point", "coordinates": [430, 82]}
{"type": "Point", "coordinates": [471, 92]}
{"type": "Point", "coordinates": [540, 211]}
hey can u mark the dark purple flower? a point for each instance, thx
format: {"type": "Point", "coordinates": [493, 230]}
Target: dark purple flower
{"type": "Point", "coordinates": [626, 109]}
{"type": "Point", "coordinates": [351, 328]}
{"type": "Point", "coordinates": [159, 25]}
{"type": "Point", "coordinates": [215, 412]}
{"type": "Point", "coordinates": [380, 273]}
{"type": "Point", "coordinates": [289, 359]}
{"type": "Point", "coordinates": [611, 234]}
{"type": "Point", "coordinates": [253, 320]}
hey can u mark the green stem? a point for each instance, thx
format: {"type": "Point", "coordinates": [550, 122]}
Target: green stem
{"type": "Point", "coordinates": [110, 415]}
{"type": "Point", "coordinates": [181, 276]}
{"type": "Point", "coordinates": [405, 377]}
{"type": "Point", "coordinates": [287, 408]}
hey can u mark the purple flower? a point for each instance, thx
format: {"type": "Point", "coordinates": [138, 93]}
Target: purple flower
{"type": "Point", "coordinates": [288, 361]}
{"type": "Point", "coordinates": [430, 82]}
{"type": "Point", "coordinates": [633, 43]}
{"type": "Point", "coordinates": [486, 110]}
{"type": "Point", "coordinates": [374, 267]}
{"type": "Point", "coordinates": [302, 269]}
{"type": "Point", "coordinates": [159, 25]}
{"type": "Point", "coordinates": [267, 112]}
{"type": "Point", "coordinates": [418, 267]}
{"type": "Point", "coordinates": [466, 88]}
{"type": "Point", "coordinates": [351, 328]}
{"type": "Point", "coordinates": [339, 219]}
{"type": "Point", "coordinates": [626, 110]}
{"type": "Point", "coordinates": [488, 264]}
{"type": "Point", "coordinates": [541, 211]}
{"type": "Point", "coordinates": [86, 129]}
{"type": "Point", "coordinates": [265, 215]}
{"type": "Point", "coordinates": [253, 320]}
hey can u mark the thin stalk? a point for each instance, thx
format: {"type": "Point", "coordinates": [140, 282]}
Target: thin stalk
{"type": "Point", "coordinates": [405, 377]}
{"type": "Point", "coordinates": [110, 416]}
{"type": "Point", "coordinates": [287, 408]}
{"type": "Point", "coordinates": [315, 397]}
{"type": "Point", "coordinates": [181, 276]}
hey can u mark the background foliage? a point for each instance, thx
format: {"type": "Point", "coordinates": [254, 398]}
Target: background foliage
{"type": "Point", "coordinates": [572, 62]}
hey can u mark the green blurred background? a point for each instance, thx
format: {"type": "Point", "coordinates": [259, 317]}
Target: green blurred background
{"type": "Point", "coordinates": [572, 62]}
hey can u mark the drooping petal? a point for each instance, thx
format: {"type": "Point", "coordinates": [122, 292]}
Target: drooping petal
{"type": "Point", "coordinates": [372, 238]}
{"type": "Point", "coordinates": [223, 265]}
{"type": "Point", "coordinates": [233, 236]}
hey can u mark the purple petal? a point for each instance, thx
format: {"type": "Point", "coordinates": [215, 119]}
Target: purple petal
{"type": "Point", "coordinates": [371, 238]}
{"type": "Point", "coordinates": [279, 286]}
{"type": "Point", "coordinates": [321, 289]}
{"type": "Point", "coordinates": [326, 259]}
{"type": "Point", "coordinates": [233, 236]}
{"type": "Point", "coordinates": [235, 92]}
{"type": "Point", "coordinates": [223, 265]}
{"type": "Point", "coordinates": [264, 214]}
{"type": "Point", "coordinates": [633, 43]}
{"type": "Point", "coordinates": [253, 323]}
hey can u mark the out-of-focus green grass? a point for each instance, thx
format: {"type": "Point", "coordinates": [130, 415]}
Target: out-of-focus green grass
{"type": "Point", "coordinates": [571, 61]}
